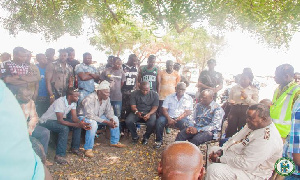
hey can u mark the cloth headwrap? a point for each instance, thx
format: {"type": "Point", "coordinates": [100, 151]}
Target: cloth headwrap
{"type": "Point", "coordinates": [102, 85]}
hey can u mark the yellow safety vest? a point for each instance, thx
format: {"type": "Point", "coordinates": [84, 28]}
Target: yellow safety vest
{"type": "Point", "coordinates": [281, 110]}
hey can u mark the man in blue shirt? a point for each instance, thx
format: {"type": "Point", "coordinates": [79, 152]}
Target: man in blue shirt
{"type": "Point", "coordinates": [208, 117]}
{"type": "Point", "coordinates": [42, 100]}
{"type": "Point", "coordinates": [292, 146]}
{"type": "Point", "coordinates": [87, 75]}
{"type": "Point", "coordinates": [175, 111]}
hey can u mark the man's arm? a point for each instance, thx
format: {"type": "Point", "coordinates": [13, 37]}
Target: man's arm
{"type": "Point", "coordinates": [36, 92]}
{"type": "Point", "coordinates": [89, 109]}
{"type": "Point", "coordinates": [139, 77]}
{"type": "Point", "coordinates": [49, 75]}
{"type": "Point", "coordinates": [158, 80]}
{"type": "Point", "coordinates": [61, 120]}
{"type": "Point", "coordinates": [296, 158]}
{"type": "Point", "coordinates": [33, 118]}
{"type": "Point", "coordinates": [216, 120]}
{"type": "Point", "coordinates": [15, 80]}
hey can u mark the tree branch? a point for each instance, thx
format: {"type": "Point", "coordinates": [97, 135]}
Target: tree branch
{"type": "Point", "coordinates": [111, 12]}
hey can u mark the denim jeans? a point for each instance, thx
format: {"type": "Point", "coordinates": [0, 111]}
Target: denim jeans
{"type": "Point", "coordinates": [133, 118]}
{"type": "Point", "coordinates": [63, 132]}
{"type": "Point", "coordinates": [197, 139]}
{"type": "Point", "coordinates": [43, 135]}
{"type": "Point", "coordinates": [162, 122]}
{"type": "Point", "coordinates": [117, 106]}
{"type": "Point", "coordinates": [90, 134]}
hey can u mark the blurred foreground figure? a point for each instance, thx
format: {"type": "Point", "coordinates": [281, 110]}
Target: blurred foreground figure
{"type": "Point", "coordinates": [17, 159]}
{"type": "Point", "coordinates": [181, 160]}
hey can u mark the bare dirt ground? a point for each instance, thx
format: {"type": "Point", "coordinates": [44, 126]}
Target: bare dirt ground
{"type": "Point", "coordinates": [133, 162]}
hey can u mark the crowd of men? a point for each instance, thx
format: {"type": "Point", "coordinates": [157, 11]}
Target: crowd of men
{"type": "Point", "coordinates": [63, 95]}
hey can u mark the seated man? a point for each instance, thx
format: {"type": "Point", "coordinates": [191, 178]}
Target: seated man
{"type": "Point", "coordinates": [181, 160]}
{"type": "Point", "coordinates": [208, 117]}
{"type": "Point", "coordinates": [144, 103]}
{"type": "Point", "coordinates": [24, 96]}
{"type": "Point", "coordinates": [175, 110]}
{"type": "Point", "coordinates": [18, 160]}
{"type": "Point", "coordinates": [252, 152]}
{"type": "Point", "coordinates": [54, 120]}
{"type": "Point", "coordinates": [97, 110]}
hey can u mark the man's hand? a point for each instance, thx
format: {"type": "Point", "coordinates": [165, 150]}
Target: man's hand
{"type": "Point", "coordinates": [171, 122]}
{"type": "Point", "coordinates": [191, 130]}
{"type": "Point", "coordinates": [243, 94]}
{"type": "Point", "coordinates": [52, 99]}
{"type": "Point", "coordinates": [29, 132]}
{"type": "Point", "coordinates": [214, 155]}
{"type": "Point", "coordinates": [146, 117]}
{"type": "Point", "coordinates": [111, 123]}
{"type": "Point", "coordinates": [84, 125]}
{"type": "Point", "coordinates": [139, 114]}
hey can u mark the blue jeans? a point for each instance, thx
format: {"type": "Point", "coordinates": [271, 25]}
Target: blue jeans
{"type": "Point", "coordinates": [117, 106]}
{"type": "Point", "coordinates": [43, 135]}
{"type": "Point", "coordinates": [162, 122]}
{"type": "Point", "coordinates": [90, 134]}
{"type": "Point", "coordinates": [63, 132]}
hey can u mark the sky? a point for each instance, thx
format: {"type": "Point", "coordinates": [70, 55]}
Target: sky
{"type": "Point", "coordinates": [241, 51]}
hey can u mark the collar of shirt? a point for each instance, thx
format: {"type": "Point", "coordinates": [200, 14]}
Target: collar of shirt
{"type": "Point", "coordinates": [66, 101]}
{"type": "Point", "coordinates": [248, 87]}
{"type": "Point", "coordinates": [183, 97]}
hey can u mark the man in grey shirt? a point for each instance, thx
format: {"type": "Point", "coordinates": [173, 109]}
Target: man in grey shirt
{"type": "Point", "coordinates": [144, 104]}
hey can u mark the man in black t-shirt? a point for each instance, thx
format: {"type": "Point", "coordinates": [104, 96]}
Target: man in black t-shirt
{"type": "Point", "coordinates": [131, 73]}
{"type": "Point", "coordinates": [210, 79]}
{"type": "Point", "coordinates": [144, 103]}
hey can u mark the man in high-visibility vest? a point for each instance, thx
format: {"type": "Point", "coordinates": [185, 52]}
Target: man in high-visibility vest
{"type": "Point", "coordinates": [284, 98]}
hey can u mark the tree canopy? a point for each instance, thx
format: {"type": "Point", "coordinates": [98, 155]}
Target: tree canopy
{"type": "Point", "coordinates": [118, 24]}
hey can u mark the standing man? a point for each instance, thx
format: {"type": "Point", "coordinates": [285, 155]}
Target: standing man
{"type": "Point", "coordinates": [175, 111]}
{"type": "Point", "coordinates": [144, 103]}
{"type": "Point", "coordinates": [168, 80]}
{"type": "Point", "coordinates": [292, 145]}
{"type": "Point", "coordinates": [208, 117]}
{"type": "Point", "coordinates": [150, 73]}
{"type": "Point", "coordinates": [97, 110]}
{"type": "Point", "coordinates": [34, 71]}
{"type": "Point", "coordinates": [130, 84]}
{"type": "Point", "coordinates": [55, 120]}
{"type": "Point", "coordinates": [87, 76]}
{"type": "Point", "coordinates": [17, 72]}
{"type": "Point", "coordinates": [5, 57]}
{"type": "Point", "coordinates": [210, 79]}
{"type": "Point", "coordinates": [71, 57]}
{"type": "Point", "coordinates": [50, 52]}
{"type": "Point", "coordinates": [177, 67]}
{"type": "Point", "coordinates": [59, 76]}
{"type": "Point", "coordinates": [284, 98]}
{"type": "Point", "coordinates": [116, 76]}
{"type": "Point", "coordinates": [42, 99]}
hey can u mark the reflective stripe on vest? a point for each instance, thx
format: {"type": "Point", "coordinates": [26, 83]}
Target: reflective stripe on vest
{"type": "Point", "coordinates": [285, 108]}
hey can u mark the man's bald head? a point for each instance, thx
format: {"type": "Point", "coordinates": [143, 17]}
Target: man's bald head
{"type": "Point", "coordinates": [181, 159]}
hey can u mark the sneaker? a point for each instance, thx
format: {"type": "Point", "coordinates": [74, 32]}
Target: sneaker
{"type": "Point", "coordinates": [144, 141]}
{"type": "Point", "coordinates": [168, 130]}
{"type": "Point", "coordinates": [77, 152]}
{"type": "Point", "coordinates": [89, 153]}
{"type": "Point", "coordinates": [157, 145]}
{"type": "Point", "coordinates": [118, 145]}
{"type": "Point", "coordinates": [61, 160]}
{"type": "Point", "coordinates": [135, 140]}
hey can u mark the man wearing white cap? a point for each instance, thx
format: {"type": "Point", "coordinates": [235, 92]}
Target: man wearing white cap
{"type": "Point", "coordinates": [97, 110]}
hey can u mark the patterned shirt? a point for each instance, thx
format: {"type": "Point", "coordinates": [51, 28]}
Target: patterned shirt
{"type": "Point", "coordinates": [60, 77]}
{"type": "Point", "coordinates": [175, 107]}
{"type": "Point", "coordinates": [208, 118]}
{"type": "Point", "coordinates": [292, 144]}
{"type": "Point", "coordinates": [89, 84]}
{"type": "Point", "coordinates": [30, 112]}
{"type": "Point", "coordinates": [93, 110]}
{"type": "Point", "coordinates": [59, 105]}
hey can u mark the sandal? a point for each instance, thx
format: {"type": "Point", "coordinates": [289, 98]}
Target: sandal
{"type": "Point", "coordinates": [61, 160]}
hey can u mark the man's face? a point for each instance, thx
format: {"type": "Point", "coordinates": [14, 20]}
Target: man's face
{"type": "Point", "coordinates": [176, 68]}
{"type": "Point", "coordinates": [88, 59]}
{"type": "Point", "coordinates": [24, 97]}
{"type": "Point", "coordinates": [253, 120]}
{"type": "Point", "coordinates": [169, 66]}
{"type": "Point", "coordinates": [145, 89]}
{"type": "Point", "coordinates": [118, 64]}
{"type": "Point", "coordinates": [28, 57]}
{"type": "Point", "coordinates": [63, 56]}
{"type": "Point", "coordinates": [104, 93]}
{"type": "Point", "coordinates": [42, 59]}
{"type": "Point", "coordinates": [134, 61]}
{"type": "Point", "coordinates": [71, 55]}
{"type": "Point", "coordinates": [297, 78]}
{"type": "Point", "coordinates": [74, 97]}
{"type": "Point", "coordinates": [21, 57]}
{"type": "Point", "coordinates": [151, 63]}
{"type": "Point", "coordinates": [211, 65]}
{"type": "Point", "coordinates": [205, 99]}
{"type": "Point", "coordinates": [245, 81]}
{"type": "Point", "coordinates": [110, 62]}
{"type": "Point", "coordinates": [180, 90]}
{"type": "Point", "coordinates": [50, 55]}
